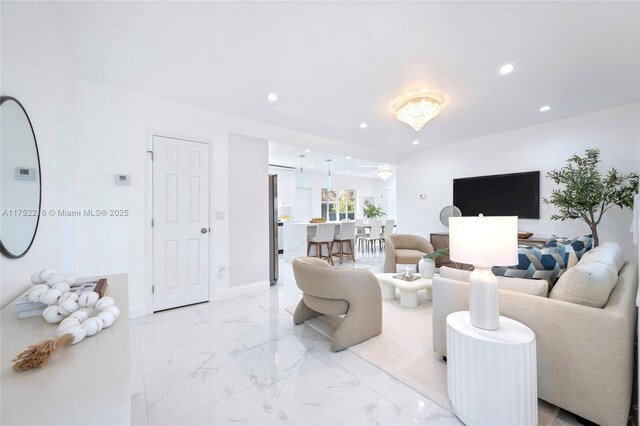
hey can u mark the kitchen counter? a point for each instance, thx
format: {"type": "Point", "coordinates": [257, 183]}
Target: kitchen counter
{"type": "Point", "coordinates": [296, 237]}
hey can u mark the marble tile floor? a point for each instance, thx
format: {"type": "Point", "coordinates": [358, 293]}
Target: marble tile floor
{"type": "Point", "coordinates": [242, 361]}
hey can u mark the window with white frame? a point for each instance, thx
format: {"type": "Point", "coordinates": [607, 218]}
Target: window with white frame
{"type": "Point", "coordinates": [338, 204]}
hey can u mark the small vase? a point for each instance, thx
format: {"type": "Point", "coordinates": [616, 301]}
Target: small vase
{"type": "Point", "coordinates": [427, 268]}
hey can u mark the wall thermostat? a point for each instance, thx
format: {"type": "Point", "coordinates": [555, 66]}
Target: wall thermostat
{"type": "Point", "coordinates": [123, 180]}
{"type": "Point", "coordinates": [423, 196]}
{"type": "Point", "coordinates": [25, 173]}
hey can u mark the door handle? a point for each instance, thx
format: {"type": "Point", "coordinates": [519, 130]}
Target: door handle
{"type": "Point", "coordinates": [204, 230]}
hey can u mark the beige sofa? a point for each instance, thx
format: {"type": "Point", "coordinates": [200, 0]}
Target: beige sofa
{"type": "Point", "coordinates": [354, 293]}
{"type": "Point", "coordinates": [584, 353]}
{"type": "Point", "coordinates": [404, 249]}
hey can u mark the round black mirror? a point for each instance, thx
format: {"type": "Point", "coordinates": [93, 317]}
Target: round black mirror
{"type": "Point", "coordinates": [21, 186]}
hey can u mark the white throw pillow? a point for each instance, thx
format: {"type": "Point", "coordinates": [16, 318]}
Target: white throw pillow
{"type": "Point", "coordinates": [608, 252]}
{"type": "Point", "coordinates": [588, 284]}
{"type": "Point", "coordinates": [522, 285]}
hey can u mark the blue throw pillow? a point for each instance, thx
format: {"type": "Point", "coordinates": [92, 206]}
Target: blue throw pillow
{"type": "Point", "coordinates": [580, 245]}
{"type": "Point", "coordinates": [546, 263]}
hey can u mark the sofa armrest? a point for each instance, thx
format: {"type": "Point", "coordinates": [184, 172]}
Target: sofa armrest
{"type": "Point", "coordinates": [584, 354]}
{"type": "Point", "coordinates": [389, 256]}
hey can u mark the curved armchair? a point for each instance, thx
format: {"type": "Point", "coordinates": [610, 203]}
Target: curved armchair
{"type": "Point", "coordinates": [404, 249]}
{"type": "Point", "coordinates": [354, 293]}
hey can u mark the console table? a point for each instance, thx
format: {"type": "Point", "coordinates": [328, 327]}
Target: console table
{"type": "Point", "coordinates": [441, 240]}
{"type": "Point", "coordinates": [87, 383]}
{"type": "Point", "coordinates": [492, 375]}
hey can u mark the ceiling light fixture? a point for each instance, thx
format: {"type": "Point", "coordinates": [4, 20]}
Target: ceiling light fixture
{"type": "Point", "coordinates": [384, 174]}
{"type": "Point", "coordinates": [416, 112]}
{"type": "Point", "coordinates": [544, 108]}
{"type": "Point", "coordinates": [506, 69]}
{"type": "Point", "coordinates": [363, 125]}
{"type": "Point", "coordinates": [307, 150]}
{"type": "Point", "coordinates": [416, 142]}
{"type": "Point", "coordinates": [272, 97]}
{"type": "Point", "coordinates": [302, 156]}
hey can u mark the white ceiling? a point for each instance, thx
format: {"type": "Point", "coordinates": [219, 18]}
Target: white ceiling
{"type": "Point", "coordinates": [316, 161]}
{"type": "Point", "coordinates": [336, 64]}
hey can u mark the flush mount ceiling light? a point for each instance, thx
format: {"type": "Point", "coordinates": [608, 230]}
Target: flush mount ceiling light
{"type": "Point", "coordinates": [384, 174]}
{"type": "Point", "coordinates": [506, 69]}
{"type": "Point", "coordinates": [416, 112]}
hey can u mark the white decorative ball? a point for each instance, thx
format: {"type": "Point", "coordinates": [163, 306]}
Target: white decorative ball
{"type": "Point", "coordinates": [36, 291]}
{"type": "Point", "coordinates": [71, 280]}
{"type": "Point", "coordinates": [93, 325]}
{"type": "Point", "coordinates": [78, 333]}
{"type": "Point", "coordinates": [104, 303]}
{"type": "Point", "coordinates": [81, 314]}
{"type": "Point", "coordinates": [66, 324]}
{"type": "Point", "coordinates": [46, 273]}
{"type": "Point", "coordinates": [50, 297]}
{"type": "Point", "coordinates": [35, 278]}
{"type": "Point", "coordinates": [56, 279]}
{"type": "Point", "coordinates": [107, 317]}
{"type": "Point", "coordinates": [51, 314]}
{"type": "Point", "coordinates": [88, 299]}
{"type": "Point", "coordinates": [113, 309]}
{"type": "Point", "coordinates": [68, 296]}
{"type": "Point", "coordinates": [69, 306]}
{"type": "Point", "coordinates": [61, 287]}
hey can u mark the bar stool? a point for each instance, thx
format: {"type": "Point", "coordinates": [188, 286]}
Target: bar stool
{"type": "Point", "coordinates": [346, 236]}
{"type": "Point", "coordinates": [323, 238]}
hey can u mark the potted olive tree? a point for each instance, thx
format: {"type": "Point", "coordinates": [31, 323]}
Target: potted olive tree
{"type": "Point", "coordinates": [586, 194]}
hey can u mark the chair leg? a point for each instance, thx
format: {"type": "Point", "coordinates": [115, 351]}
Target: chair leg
{"type": "Point", "coordinates": [330, 254]}
{"type": "Point", "coordinates": [353, 254]}
{"type": "Point", "coordinates": [308, 249]}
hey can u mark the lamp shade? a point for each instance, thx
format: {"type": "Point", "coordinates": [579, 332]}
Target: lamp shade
{"type": "Point", "coordinates": [484, 240]}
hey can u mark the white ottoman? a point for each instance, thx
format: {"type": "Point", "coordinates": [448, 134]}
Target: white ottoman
{"type": "Point", "coordinates": [408, 290]}
{"type": "Point", "coordinates": [491, 375]}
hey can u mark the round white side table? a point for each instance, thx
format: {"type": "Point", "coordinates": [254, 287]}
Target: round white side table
{"type": "Point", "coordinates": [492, 375]}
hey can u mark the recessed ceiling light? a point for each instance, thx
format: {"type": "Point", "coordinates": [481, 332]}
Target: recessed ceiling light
{"type": "Point", "coordinates": [272, 97]}
{"type": "Point", "coordinates": [348, 158]}
{"type": "Point", "coordinates": [416, 142]}
{"type": "Point", "coordinates": [506, 69]}
{"type": "Point", "coordinates": [311, 166]}
{"type": "Point", "coordinates": [544, 108]}
{"type": "Point", "coordinates": [363, 125]}
{"type": "Point", "coordinates": [307, 150]}
{"type": "Point", "coordinates": [347, 171]}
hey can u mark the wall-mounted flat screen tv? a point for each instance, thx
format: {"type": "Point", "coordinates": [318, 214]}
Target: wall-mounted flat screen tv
{"type": "Point", "coordinates": [516, 194]}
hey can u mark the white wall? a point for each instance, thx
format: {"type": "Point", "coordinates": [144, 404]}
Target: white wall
{"type": "Point", "coordinates": [36, 70]}
{"type": "Point", "coordinates": [543, 147]}
{"type": "Point", "coordinates": [248, 210]}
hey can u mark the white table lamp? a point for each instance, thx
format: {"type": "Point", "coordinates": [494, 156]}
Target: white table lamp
{"type": "Point", "coordinates": [484, 241]}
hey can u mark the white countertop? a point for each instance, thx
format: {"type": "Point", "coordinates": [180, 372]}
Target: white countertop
{"type": "Point", "coordinates": [87, 383]}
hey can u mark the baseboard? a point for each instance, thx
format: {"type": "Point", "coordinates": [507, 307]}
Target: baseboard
{"type": "Point", "coordinates": [137, 311]}
{"type": "Point", "coordinates": [241, 290]}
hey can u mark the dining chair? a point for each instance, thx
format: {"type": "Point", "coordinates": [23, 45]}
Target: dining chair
{"type": "Point", "coordinates": [375, 233]}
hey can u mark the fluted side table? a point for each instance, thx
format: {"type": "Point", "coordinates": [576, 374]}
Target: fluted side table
{"type": "Point", "coordinates": [492, 377]}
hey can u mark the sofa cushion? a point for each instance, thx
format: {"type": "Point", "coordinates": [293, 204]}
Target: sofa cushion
{"type": "Point", "coordinates": [588, 284]}
{"type": "Point", "coordinates": [408, 256]}
{"type": "Point", "coordinates": [546, 263]}
{"type": "Point", "coordinates": [608, 252]}
{"type": "Point", "coordinates": [521, 285]}
{"type": "Point", "coordinates": [580, 245]}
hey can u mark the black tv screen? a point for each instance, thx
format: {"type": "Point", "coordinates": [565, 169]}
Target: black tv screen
{"type": "Point", "coordinates": [516, 194]}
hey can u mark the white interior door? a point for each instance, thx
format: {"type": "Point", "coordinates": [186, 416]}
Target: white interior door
{"type": "Point", "coordinates": [180, 222]}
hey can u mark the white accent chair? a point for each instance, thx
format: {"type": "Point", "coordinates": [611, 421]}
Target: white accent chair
{"type": "Point", "coordinates": [323, 238]}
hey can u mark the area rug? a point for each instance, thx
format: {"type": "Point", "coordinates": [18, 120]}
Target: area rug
{"type": "Point", "coordinates": [404, 350]}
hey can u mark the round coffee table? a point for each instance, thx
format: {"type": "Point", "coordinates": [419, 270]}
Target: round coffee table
{"type": "Point", "coordinates": [408, 289]}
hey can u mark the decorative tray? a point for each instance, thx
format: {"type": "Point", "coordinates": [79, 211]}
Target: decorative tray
{"type": "Point", "coordinates": [407, 277]}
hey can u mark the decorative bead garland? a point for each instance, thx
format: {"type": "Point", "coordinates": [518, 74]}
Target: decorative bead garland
{"type": "Point", "coordinates": [73, 312]}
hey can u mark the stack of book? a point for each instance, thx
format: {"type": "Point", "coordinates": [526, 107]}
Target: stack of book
{"type": "Point", "coordinates": [27, 309]}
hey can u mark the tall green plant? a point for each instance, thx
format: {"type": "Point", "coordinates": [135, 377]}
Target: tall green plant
{"type": "Point", "coordinates": [585, 194]}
